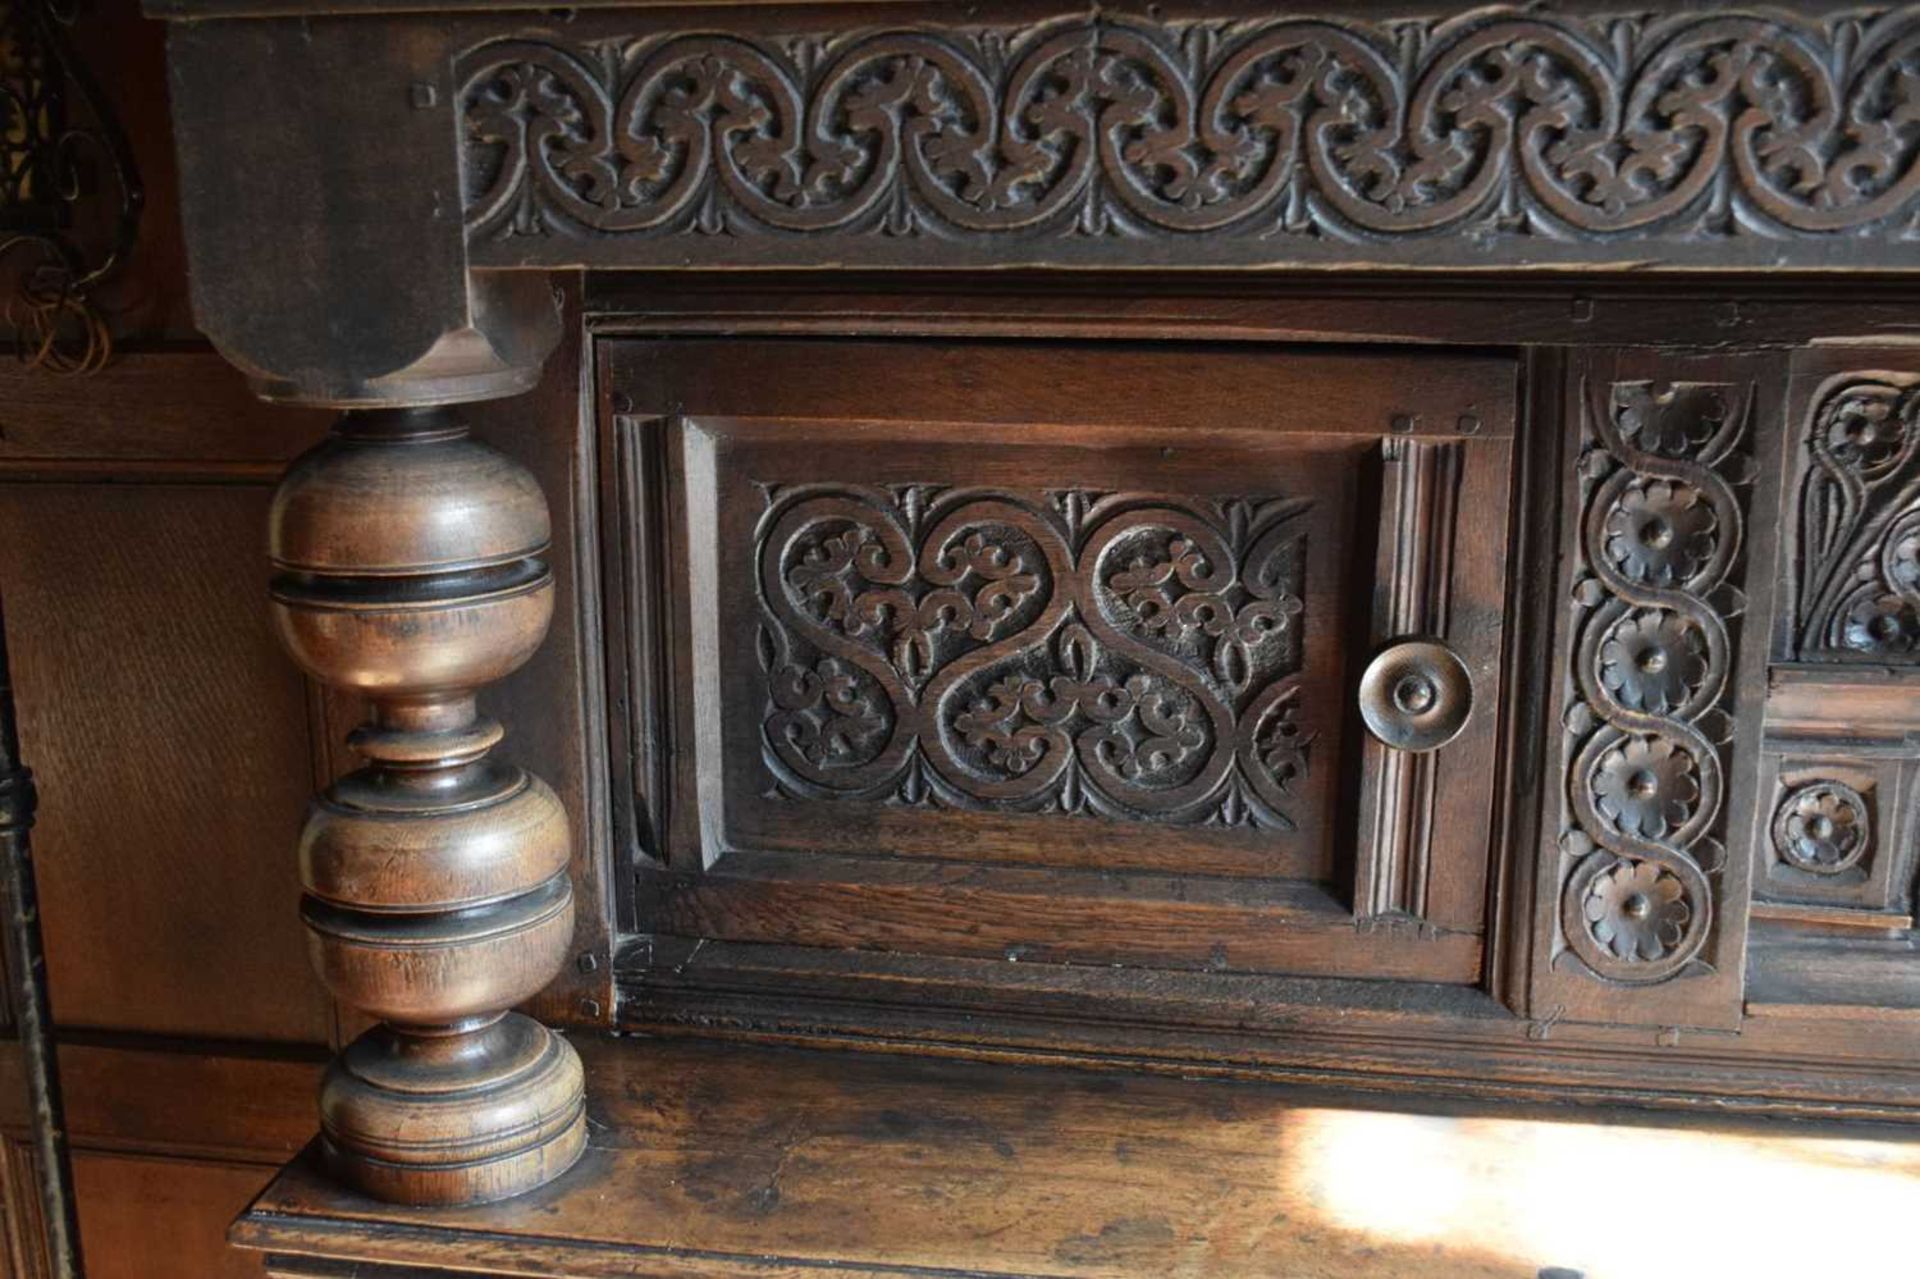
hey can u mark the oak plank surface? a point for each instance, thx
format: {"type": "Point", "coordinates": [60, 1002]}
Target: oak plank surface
{"type": "Point", "coordinates": [172, 752]}
{"type": "Point", "coordinates": [721, 1161]}
{"type": "Point", "coordinates": [145, 1218]}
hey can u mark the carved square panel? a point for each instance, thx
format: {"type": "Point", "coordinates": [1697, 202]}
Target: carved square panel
{"type": "Point", "coordinates": [1055, 651]}
{"type": "Point", "coordinates": [1833, 821]}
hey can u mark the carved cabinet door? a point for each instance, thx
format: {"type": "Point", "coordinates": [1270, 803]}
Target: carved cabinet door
{"type": "Point", "coordinates": [1176, 655]}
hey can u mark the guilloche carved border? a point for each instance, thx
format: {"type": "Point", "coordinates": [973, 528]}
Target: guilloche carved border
{"type": "Point", "coordinates": [1658, 593]}
{"type": "Point", "coordinates": [1489, 138]}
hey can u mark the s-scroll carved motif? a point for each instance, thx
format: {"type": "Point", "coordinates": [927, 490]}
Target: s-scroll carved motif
{"type": "Point", "coordinates": [1697, 127]}
{"type": "Point", "coordinates": [1657, 595]}
{"type": "Point", "coordinates": [1859, 534]}
{"type": "Point", "coordinates": [1116, 655]}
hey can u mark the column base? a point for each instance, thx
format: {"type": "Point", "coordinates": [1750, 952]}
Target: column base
{"type": "Point", "coordinates": [463, 1116]}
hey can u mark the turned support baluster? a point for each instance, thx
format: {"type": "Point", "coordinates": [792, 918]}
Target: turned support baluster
{"type": "Point", "coordinates": [408, 570]}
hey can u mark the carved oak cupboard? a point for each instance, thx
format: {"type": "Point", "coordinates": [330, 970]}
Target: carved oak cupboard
{"type": "Point", "coordinates": [1372, 546]}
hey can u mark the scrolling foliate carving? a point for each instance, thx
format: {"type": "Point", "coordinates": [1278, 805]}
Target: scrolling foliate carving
{"type": "Point", "coordinates": [1118, 655]}
{"type": "Point", "coordinates": [1657, 593]}
{"type": "Point", "coordinates": [1495, 124]}
{"type": "Point", "coordinates": [1859, 534]}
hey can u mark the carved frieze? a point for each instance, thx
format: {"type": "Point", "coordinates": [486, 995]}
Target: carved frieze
{"type": "Point", "coordinates": [1859, 531]}
{"type": "Point", "coordinates": [1657, 587]}
{"type": "Point", "coordinates": [1119, 655]}
{"type": "Point", "coordinates": [1257, 138]}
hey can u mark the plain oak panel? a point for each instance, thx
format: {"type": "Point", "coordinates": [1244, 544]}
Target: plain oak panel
{"type": "Point", "coordinates": [171, 744]}
{"type": "Point", "coordinates": [143, 1218]}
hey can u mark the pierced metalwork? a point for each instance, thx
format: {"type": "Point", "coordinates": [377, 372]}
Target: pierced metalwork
{"type": "Point", "coordinates": [59, 145]}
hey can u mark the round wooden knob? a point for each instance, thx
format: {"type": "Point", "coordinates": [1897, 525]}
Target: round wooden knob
{"type": "Point", "coordinates": [1416, 696]}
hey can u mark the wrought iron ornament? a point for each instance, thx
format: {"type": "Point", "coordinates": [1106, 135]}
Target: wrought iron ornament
{"type": "Point", "coordinates": [59, 144]}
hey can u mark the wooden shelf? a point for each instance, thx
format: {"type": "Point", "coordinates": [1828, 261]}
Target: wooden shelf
{"type": "Point", "coordinates": [716, 1160]}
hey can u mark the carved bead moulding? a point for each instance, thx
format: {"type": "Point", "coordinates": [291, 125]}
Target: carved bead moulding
{"type": "Point", "coordinates": [1496, 137]}
{"type": "Point", "coordinates": [1657, 597]}
{"type": "Point", "coordinates": [1858, 555]}
{"type": "Point", "coordinates": [1122, 656]}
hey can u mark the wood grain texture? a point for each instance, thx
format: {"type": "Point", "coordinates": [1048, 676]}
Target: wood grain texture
{"type": "Point", "coordinates": [171, 747]}
{"type": "Point", "coordinates": [146, 1218]}
{"type": "Point", "coordinates": [1394, 308]}
{"type": "Point", "coordinates": [184, 411]}
{"type": "Point", "coordinates": [729, 1162]}
{"type": "Point", "coordinates": [1792, 1058]}
{"type": "Point", "coordinates": [190, 1100]}
{"type": "Point", "coordinates": [23, 1233]}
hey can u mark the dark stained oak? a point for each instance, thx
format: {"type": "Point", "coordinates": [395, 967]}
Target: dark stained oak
{"type": "Point", "coordinates": [717, 1161]}
{"type": "Point", "coordinates": [1005, 462]}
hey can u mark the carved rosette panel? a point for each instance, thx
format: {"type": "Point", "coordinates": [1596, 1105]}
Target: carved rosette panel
{"type": "Point", "coordinates": [1121, 656]}
{"type": "Point", "coordinates": [1859, 535]}
{"type": "Point", "coordinates": [1656, 593]}
{"type": "Point", "coordinates": [1495, 124]}
{"type": "Point", "coordinates": [1822, 828]}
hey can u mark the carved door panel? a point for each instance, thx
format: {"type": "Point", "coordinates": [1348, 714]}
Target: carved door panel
{"type": "Point", "coordinates": [1056, 652]}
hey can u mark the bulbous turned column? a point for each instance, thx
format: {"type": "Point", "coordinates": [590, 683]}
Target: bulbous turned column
{"type": "Point", "coordinates": [408, 570]}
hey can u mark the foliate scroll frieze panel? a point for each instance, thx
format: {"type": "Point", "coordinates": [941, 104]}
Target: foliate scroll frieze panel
{"type": "Point", "coordinates": [1500, 134]}
{"type": "Point", "coordinates": [1655, 782]}
{"type": "Point", "coordinates": [1858, 553]}
{"type": "Point", "coordinates": [1123, 656]}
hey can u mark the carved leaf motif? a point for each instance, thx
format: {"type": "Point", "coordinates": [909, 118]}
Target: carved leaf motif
{"type": "Point", "coordinates": [1499, 123]}
{"type": "Point", "coordinates": [1858, 539]}
{"type": "Point", "coordinates": [1076, 651]}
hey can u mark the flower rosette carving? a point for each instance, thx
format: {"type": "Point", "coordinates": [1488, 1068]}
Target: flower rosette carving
{"type": "Point", "coordinates": [1859, 531]}
{"type": "Point", "coordinates": [1822, 827]}
{"type": "Point", "coordinates": [1636, 910]}
{"type": "Point", "coordinates": [1660, 536]}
